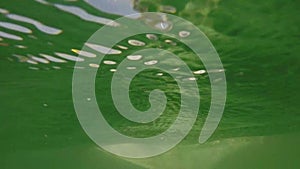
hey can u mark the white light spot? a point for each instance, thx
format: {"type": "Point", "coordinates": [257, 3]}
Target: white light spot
{"type": "Point", "coordinates": [192, 78]}
{"type": "Point", "coordinates": [199, 72]}
{"type": "Point", "coordinates": [176, 69]}
{"type": "Point", "coordinates": [167, 9]}
{"type": "Point", "coordinates": [164, 25]}
{"type": "Point", "coordinates": [21, 58]}
{"type": "Point", "coordinates": [15, 27]}
{"type": "Point", "coordinates": [109, 62]}
{"type": "Point", "coordinates": [217, 80]}
{"type": "Point", "coordinates": [20, 46]}
{"type": "Point", "coordinates": [84, 53]}
{"type": "Point", "coordinates": [33, 68]}
{"type": "Point", "coordinates": [69, 57]}
{"type": "Point", "coordinates": [136, 42]}
{"type": "Point", "coordinates": [184, 34]}
{"type": "Point", "coordinates": [52, 59]}
{"type": "Point", "coordinates": [43, 2]}
{"type": "Point", "coordinates": [4, 11]}
{"type": "Point", "coordinates": [37, 24]}
{"type": "Point", "coordinates": [103, 49]}
{"type": "Point", "coordinates": [134, 57]}
{"type": "Point", "coordinates": [131, 68]}
{"type": "Point", "coordinates": [32, 36]}
{"type": "Point", "coordinates": [216, 71]}
{"type": "Point", "coordinates": [151, 62]}
{"type": "Point", "coordinates": [82, 14]}
{"type": "Point", "coordinates": [94, 65]}
{"type": "Point", "coordinates": [122, 47]}
{"type": "Point", "coordinates": [31, 62]}
{"type": "Point", "coordinates": [41, 60]}
{"type": "Point", "coordinates": [56, 67]}
{"type": "Point", "coordinates": [10, 36]}
{"type": "Point", "coordinates": [152, 37]}
{"type": "Point", "coordinates": [168, 41]}
{"type": "Point", "coordinates": [79, 67]}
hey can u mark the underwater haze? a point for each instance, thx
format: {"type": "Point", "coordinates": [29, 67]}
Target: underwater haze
{"type": "Point", "coordinates": [257, 41]}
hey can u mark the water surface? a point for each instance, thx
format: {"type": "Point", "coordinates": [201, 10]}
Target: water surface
{"type": "Point", "coordinates": [258, 43]}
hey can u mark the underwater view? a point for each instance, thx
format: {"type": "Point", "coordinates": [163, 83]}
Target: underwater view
{"type": "Point", "coordinates": [58, 56]}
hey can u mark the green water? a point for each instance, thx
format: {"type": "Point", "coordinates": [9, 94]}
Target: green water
{"type": "Point", "coordinates": [258, 43]}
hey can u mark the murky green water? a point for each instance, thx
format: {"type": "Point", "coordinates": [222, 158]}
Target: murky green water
{"type": "Point", "coordinates": [258, 43]}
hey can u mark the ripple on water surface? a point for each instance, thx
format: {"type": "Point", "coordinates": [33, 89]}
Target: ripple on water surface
{"type": "Point", "coordinates": [15, 27]}
{"type": "Point", "coordinates": [40, 26]}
